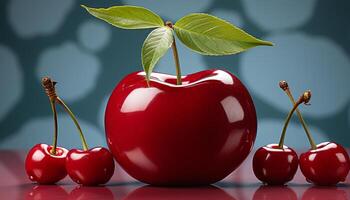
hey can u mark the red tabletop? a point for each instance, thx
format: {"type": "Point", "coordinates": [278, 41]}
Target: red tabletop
{"type": "Point", "coordinates": [241, 184]}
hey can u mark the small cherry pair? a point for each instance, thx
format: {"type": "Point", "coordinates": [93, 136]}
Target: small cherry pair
{"type": "Point", "coordinates": [48, 164]}
{"type": "Point", "coordinates": [325, 164]}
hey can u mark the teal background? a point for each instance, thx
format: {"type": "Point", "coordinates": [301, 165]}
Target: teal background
{"type": "Point", "coordinates": [88, 57]}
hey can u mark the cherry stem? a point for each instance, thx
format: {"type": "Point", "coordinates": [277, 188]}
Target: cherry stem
{"type": "Point", "coordinates": [54, 143]}
{"type": "Point", "coordinates": [284, 86]}
{"type": "Point", "coordinates": [304, 98]}
{"type": "Point", "coordinates": [82, 138]}
{"type": "Point", "coordinates": [176, 56]}
{"type": "Point", "coordinates": [290, 114]}
{"type": "Point", "coordinates": [302, 121]}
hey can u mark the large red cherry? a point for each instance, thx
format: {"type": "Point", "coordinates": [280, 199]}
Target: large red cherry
{"type": "Point", "coordinates": [44, 167]}
{"type": "Point", "coordinates": [328, 164]}
{"type": "Point", "coordinates": [190, 134]}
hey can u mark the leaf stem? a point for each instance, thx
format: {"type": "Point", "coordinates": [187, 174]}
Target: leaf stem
{"type": "Point", "coordinates": [177, 63]}
{"type": "Point", "coordinates": [175, 55]}
{"type": "Point", "coordinates": [82, 138]}
{"type": "Point", "coordinates": [54, 112]}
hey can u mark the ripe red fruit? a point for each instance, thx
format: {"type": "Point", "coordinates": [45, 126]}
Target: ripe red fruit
{"type": "Point", "coordinates": [189, 134]}
{"type": "Point", "coordinates": [91, 167]}
{"type": "Point", "coordinates": [328, 164]}
{"type": "Point", "coordinates": [274, 165]}
{"type": "Point", "coordinates": [43, 167]}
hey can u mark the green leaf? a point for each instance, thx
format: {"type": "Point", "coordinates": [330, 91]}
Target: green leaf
{"type": "Point", "coordinates": [155, 46]}
{"type": "Point", "coordinates": [127, 17]}
{"type": "Point", "coordinates": [209, 35]}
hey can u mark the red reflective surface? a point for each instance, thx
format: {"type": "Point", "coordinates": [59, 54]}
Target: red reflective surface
{"type": "Point", "coordinates": [191, 134]}
{"type": "Point", "coordinates": [207, 193]}
{"type": "Point", "coordinates": [241, 184]}
{"type": "Point", "coordinates": [275, 193]}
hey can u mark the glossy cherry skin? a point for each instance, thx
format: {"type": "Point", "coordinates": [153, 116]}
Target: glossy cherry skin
{"type": "Point", "coordinates": [43, 167]}
{"type": "Point", "coordinates": [191, 134]}
{"type": "Point", "coordinates": [92, 167]}
{"type": "Point", "coordinates": [327, 165]}
{"type": "Point", "coordinates": [275, 166]}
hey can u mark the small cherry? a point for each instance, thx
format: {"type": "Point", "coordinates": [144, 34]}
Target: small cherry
{"type": "Point", "coordinates": [45, 164]}
{"type": "Point", "coordinates": [45, 167]}
{"type": "Point", "coordinates": [327, 163]}
{"type": "Point", "coordinates": [88, 166]}
{"type": "Point", "coordinates": [276, 164]}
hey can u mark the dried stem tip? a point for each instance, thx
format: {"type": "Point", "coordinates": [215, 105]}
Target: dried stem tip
{"type": "Point", "coordinates": [49, 87]}
{"type": "Point", "coordinates": [306, 96]}
{"type": "Point", "coordinates": [284, 85]}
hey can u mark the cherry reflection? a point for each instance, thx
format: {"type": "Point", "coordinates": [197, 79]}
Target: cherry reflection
{"type": "Point", "coordinates": [325, 193]}
{"type": "Point", "coordinates": [85, 193]}
{"type": "Point", "coordinates": [275, 193]}
{"type": "Point", "coordinates": [161, 193]}
{"type": "Point", "coordinates": [44, 192]}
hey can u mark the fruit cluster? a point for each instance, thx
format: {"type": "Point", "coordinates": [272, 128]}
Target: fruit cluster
{"type": "Point", "coordinates": [327, 163]}
{"type": "Point", "coordinates": [48, 164]}
{"type": "Point", "coordinates": [192, 127]}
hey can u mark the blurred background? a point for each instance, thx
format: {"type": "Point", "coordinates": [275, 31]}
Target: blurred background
{"type": "Point", "coordinates": [88, 57]}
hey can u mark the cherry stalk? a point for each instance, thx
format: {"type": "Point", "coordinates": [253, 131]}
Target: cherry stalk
{"type": "Point", "coordinates": [284, 86]}
{"type": "Point", "coordinates": [49, 87]}
{"type": "Point", "coordinates": [50, 90]}
{"type": "Point", "coordinates": [304, 98]}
